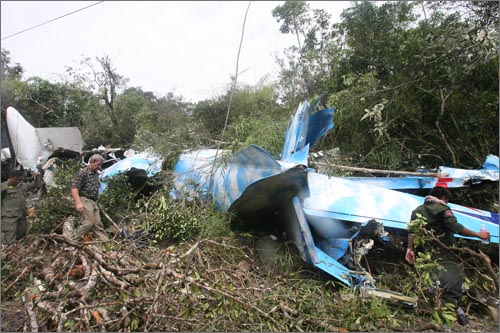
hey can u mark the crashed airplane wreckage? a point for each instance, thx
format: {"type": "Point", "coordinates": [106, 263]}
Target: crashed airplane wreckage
{"type": "Point", "coordinates": [327, 218]}
{"type": "Point", "coordinates": [444, 177]}
{"type": "Point", "coordinates": [31, 148]}
{"type": "Point", "coordinates": [331, 220]}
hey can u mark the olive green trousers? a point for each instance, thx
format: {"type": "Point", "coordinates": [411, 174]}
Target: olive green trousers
{"type": "Point", "coordinates": [13, 228]}
{"type": "Point", "coordinates": [90, 221]}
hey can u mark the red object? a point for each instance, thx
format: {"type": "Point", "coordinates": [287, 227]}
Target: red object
{"type": "Point", "coordinates": [442, 182]}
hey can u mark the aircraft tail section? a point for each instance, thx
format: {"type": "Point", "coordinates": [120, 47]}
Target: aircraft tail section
{"type": "Point", "coordinates": [305, 129]}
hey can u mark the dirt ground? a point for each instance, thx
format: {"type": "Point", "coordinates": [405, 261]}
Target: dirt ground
{"type": "Point", "coordinates": [13, 317]}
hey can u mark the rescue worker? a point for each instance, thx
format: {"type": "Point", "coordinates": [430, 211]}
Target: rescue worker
{"type": "Point", "coordinates": [444, 225]}
{"type": "Point", "coordinates": [85, 192]}
{"type": "Point", "coordinates": [14, 207]}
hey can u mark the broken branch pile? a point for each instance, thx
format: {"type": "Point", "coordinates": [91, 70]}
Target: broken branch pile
{"type": "Point", "coordinates": [210, 286]}
{"type": "Point", "coordinates": [51, 283]}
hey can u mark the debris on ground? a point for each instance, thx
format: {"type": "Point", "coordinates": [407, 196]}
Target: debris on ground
{"type": "Point", "coordinates": [52, 283]}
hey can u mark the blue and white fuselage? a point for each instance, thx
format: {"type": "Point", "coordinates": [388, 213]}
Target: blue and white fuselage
{"type": "Point", "coordinates": [322, 214]}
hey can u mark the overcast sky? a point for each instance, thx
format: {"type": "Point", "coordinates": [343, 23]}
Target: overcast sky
{"type": "Point", "coordinates": [187, 47]}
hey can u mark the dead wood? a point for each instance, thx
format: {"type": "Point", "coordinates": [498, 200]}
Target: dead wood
{"type": "Point", "coordinates": [381, 171]}
{"type": "Point", "coordinates": [28, 304]}
{"type": "Point", "coordinates": [208, 285]}
{"type": "Point", "coordinates": [16, 280]}
{"type": "Point", "coordinates": [487, 262]}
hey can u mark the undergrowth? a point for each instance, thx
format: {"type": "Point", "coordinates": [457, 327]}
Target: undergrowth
{"type": "Point", "coordinates": [220, 280]}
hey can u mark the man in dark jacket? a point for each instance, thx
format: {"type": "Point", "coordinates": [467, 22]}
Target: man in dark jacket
{"type": "Point", "coordinates": [441, 221]}
{"type": "Point", "coordinates": [14, 208]}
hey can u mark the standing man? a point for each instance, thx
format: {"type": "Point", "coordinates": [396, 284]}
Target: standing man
{"type": "Point", "coordinates": [85, 192]}
{"type": "Point", "coordinates": [444, 225]}
{"type": "Point", "coordinates": [14, 208]}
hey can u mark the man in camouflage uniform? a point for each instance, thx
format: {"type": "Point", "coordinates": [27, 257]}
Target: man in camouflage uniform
{"type": "Point", "coordinates": [14, 208]}
{"type": "Point", "coordinates": [444, 225]}
{"type": "Point", "coordinates": [85, 192]}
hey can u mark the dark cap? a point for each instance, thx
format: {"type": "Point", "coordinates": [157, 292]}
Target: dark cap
{"type": "Point", "coordinates": [440, 192]}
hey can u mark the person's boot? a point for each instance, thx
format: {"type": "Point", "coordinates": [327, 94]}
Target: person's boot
{"type": "Point", "coordinates": [461, 317]}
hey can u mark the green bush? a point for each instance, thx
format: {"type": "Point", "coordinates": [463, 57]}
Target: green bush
{"type": "Point", "coordinates": [57, 204]}
{"type": "Point", "coordinates": [118, 199]}
{"type": "Point", "coordinates": [176, 221]}
{"type": "Point", "coordinates": [167, 219]}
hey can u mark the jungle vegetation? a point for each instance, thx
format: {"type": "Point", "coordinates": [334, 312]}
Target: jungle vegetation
{"type": "Point", "coordinates": [413, 84]}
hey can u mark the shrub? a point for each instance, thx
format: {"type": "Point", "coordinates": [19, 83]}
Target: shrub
{"type": "Point", "coordinates": [56, 205]}
{"type": "Point", "coordinates": [183, 220]}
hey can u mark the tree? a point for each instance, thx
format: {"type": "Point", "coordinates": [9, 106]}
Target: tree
{"type": "Point", "coordinates": [211, 113]}
{"type": "Point", "coordinates": [42, 103]}
{"type": "Point", "coordinates": [255, 117]}
{"type": "Point", "coordinates": [47, 104]}
{"type": "Point", "coordinates": [305, 69]}
{"type": "Point", "coordinates": [10, 80]}
{"type": "Point", "coordinates": [370, 41]}
{"type": "Point", "coordinates": [166, 125]}
{"type": "Point", "coordinates": [295, 17]}
{"type": "Point", "coordinates": [127, 107]}
{"type": "Point", "coordinates": [102, 78]}
{"type": "Point", "coordinates": [9, 72]}
{"type": "Point", "coordinates": [404, 86]}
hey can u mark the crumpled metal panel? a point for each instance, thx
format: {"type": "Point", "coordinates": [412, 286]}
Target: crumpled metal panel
{"type": "Point", "coordinates": [321, 214]}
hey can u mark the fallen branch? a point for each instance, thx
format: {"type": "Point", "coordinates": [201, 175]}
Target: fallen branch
{"type": "Point", "coordinates": [480, 255]}
{"type": "Point", "coordinates": [88, 250]}
{"type": "Point", "coordinates": [15, 281]}
{"type": "Point", "coordinates": [209, 285]}
{"type": "Point", "coordinates": [487, 262]}
{"type": "Point", "coordinates": [154, 304]}
{"type": "Point", "coordinates": [108, 276]}
{"type": "Point", "coordinates": [223, 293]}
{"type": "Point", "coordinates": [190, 250]}
{"type": "Point", "coordinates": [28, 304]}
{"type": "Point", "coordinates": [367, 170]}
{"type": "Point", "coordinates": [109, 219]}
{"type": "Point", "coordinates": [90, 283]}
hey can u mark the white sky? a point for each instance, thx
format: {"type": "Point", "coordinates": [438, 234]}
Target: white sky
{"type": "Point", "coordinates": [188, 48]}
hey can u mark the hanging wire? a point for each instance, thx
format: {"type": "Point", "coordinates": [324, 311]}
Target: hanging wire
{"type": "Point", "coordinates": [57, 18]}
{"type": "Point", "coordinates": [230, 100]}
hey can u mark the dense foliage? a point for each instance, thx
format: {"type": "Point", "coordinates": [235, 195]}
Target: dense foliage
{"type": "Point", "coordinates": [56, 205]}
{"type": "Point", "coordinates": [412, 83]}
